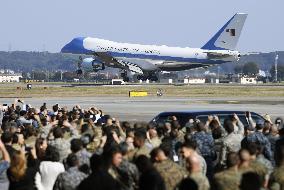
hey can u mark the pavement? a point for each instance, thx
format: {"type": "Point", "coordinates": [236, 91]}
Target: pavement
{"type": "Point", "coordinates": [145, 108]}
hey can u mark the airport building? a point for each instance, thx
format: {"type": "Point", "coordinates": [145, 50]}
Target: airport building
{"type": "Point", "coordinates": [248, 80]}
{"type": "Point", "coordinates": [9, 77]}
{"type": "Point", "coordinates": [243, 79]}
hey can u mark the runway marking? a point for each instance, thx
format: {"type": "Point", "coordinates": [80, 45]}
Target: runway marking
{"type": "Point", "coordinates": [233, 102]}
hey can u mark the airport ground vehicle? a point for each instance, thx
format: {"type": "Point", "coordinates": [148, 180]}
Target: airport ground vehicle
{"type": "Point", "coordinates": [184, 116]}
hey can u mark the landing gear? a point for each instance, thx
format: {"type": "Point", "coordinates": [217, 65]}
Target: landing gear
{"type": "Point", "coordinates": [79, 72]}
{"type": "Point", "coordinates": [154, 78]}
{"type": "Point", "coordinates": [151, 77]}
{"type": "Point", "coordinates": [124, 76]}
{"type": "Point", "coordinates": [97, 66]}
{"type": "Point", "coordinates": [142, 77]}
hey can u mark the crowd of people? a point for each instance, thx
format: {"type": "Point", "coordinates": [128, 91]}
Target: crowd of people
{"type": "Point", "coordinates": [66, 149]}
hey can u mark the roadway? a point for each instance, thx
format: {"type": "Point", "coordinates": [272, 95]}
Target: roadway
{"type": "Point", "coordinates": [144, 109]}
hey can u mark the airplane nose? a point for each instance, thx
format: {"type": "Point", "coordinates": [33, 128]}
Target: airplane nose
{"type": "Point", "coordinates": [65, 49]}
{"type": "Point", "coordinates": [75, 46]}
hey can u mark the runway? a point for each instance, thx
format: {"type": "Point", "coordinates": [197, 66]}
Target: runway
{"type": "Point", "coordinates": [144, 109]}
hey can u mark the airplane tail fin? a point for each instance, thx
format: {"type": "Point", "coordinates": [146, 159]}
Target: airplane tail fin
{"type": "Point", "coordinates": [227, 37]}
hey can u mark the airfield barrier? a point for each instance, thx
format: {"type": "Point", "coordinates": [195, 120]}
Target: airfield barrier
{"type": "Point", "coordinates": [138, 93]}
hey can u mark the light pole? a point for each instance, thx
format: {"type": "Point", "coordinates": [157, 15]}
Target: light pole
{"type": "Point", "coordinates": [276, 63]}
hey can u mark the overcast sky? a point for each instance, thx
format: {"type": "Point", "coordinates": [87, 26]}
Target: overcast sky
{"type": "Point", "coordinates": [37, 25]}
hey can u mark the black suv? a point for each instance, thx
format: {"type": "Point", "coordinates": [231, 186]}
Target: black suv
{"type": "Point", "coordinates": [184, 116]}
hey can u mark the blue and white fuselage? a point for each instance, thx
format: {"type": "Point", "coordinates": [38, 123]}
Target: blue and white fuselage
{"type": "Point", "coordinates": [151, 58]}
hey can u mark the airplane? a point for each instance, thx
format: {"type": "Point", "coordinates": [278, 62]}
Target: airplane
{"type": "Point", "coordinates": [148, 60]}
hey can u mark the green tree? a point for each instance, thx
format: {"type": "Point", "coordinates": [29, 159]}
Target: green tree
{"type": "Point", "coordinates": [238, 69]}
{"type": "Point", "coordinates": [250, 68]}
{"type": "Point", "coordinates": [57, 76]}
{"type": "Point", "coordinates": [69, 76]}
{"type": "Point", "coordinates": [280, 72]}
{"type": "Point", "coordinates": [38, 75]}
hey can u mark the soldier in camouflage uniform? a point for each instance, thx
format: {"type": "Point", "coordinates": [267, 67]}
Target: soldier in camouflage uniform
{"type": "Point", "coordinates": [232, 141]}
{"type": "Point", "coordinates": [141, 148]}
{"type": "Point", "coordinates": [62, 144]}
{"type": "Point", "coordinates": [205, 144]}
{"type": "Point", "coordinates": [262, 160]}
{"type": "Point", "coordinates": [171, 172]}
{"type": "Point", "coordinates": [231, 177]}
{"type": "Point", "coordinates": [98, 134]}
{"type": "Point", "coordinates": [194, 168]}
{"type": "Point", "coordinates": [255, 165]}
{"type": "Point", "coordinates": [277, 177]}
{"type": "Point", "coordinates": [259, 138]}
{"type": "Point", "coordinates": [128, 171]}
{"type": "Point", "coordinates": [72, 177]}
{"type": "Point", "coordinates": [153, 138]}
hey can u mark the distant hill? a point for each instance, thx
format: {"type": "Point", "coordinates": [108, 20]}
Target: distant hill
{"type": "Point", "coordinates": [264, 60]}
{"type": "Point", "coordinates": [28, 61]}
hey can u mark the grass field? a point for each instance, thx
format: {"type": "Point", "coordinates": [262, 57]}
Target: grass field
{"type": "Point", "coordinates": [61, 90]}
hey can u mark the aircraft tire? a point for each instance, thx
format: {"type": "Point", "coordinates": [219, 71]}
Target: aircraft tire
{"type": "Point", "coordinates": [79, 72]}
{"type": "Point", "coordinates": [126, 79]}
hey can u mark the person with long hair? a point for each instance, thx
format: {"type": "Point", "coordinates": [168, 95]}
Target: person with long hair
{"type": "Point", "coordinates": [21, 176]}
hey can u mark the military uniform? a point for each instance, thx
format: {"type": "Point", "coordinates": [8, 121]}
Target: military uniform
{"type": "Point", "coordinates": [258, 137]}
{"type": "Point", "coordinates": [257, 168]}
{"type": "Point", "coordinates": [155, 142]}
{"type": "Point", "coordinates": [205, 143]}
{"type": "Point", "coordinates": [231, 143]}
{"type": "Point", "coordinates": [228, 180]}
{"type": "Point", "coordinates": [69, 179]}
{"type": "Point", "coordinates": [277, 179]}
{"type": "Point", "coordinates": [144, 150]}
{"type": "Point", "coordinates": [129, 174]}
{"type": "Point", "coordinates": [98, 133]}
{"type": "Point", "coordinates": [171, 172]}
{"type": "Point", "coordinates": [180, 136]}
{"type": "Point", "coordinates": [262, 160]}
{"type": "Point", "coordinates": [217, 148]}
{"type": "Point", "coordinates": [201, 180]}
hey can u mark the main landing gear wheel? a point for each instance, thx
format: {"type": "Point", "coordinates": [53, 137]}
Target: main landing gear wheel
{"type": "Point", "coordinates": [124, 76]}
{"type": "Point", "coordinates": [141, 77]}
{"type": "Point", "coordinates": [154, 78]}
{"type": "Point", "coordinates": [126, 79]}
{"type": "Point", "coordinates": [79, 72]}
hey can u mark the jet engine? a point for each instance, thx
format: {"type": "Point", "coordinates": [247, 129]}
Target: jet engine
{"type": "Point", "coordinates": [89, 64]}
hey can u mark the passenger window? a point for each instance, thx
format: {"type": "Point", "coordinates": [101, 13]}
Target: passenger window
{"type": "Point", "coordinates": [257, 119]}
{"type": "Point", "coordinates": [202, 118]}
{"type": "Point", "coordinates": [222, 118]}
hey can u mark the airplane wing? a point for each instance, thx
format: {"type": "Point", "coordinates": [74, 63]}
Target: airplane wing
{"type": "Point", "coordinates": [110, 61]}
{"type": "Point", "coordinates": [145, 65]}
